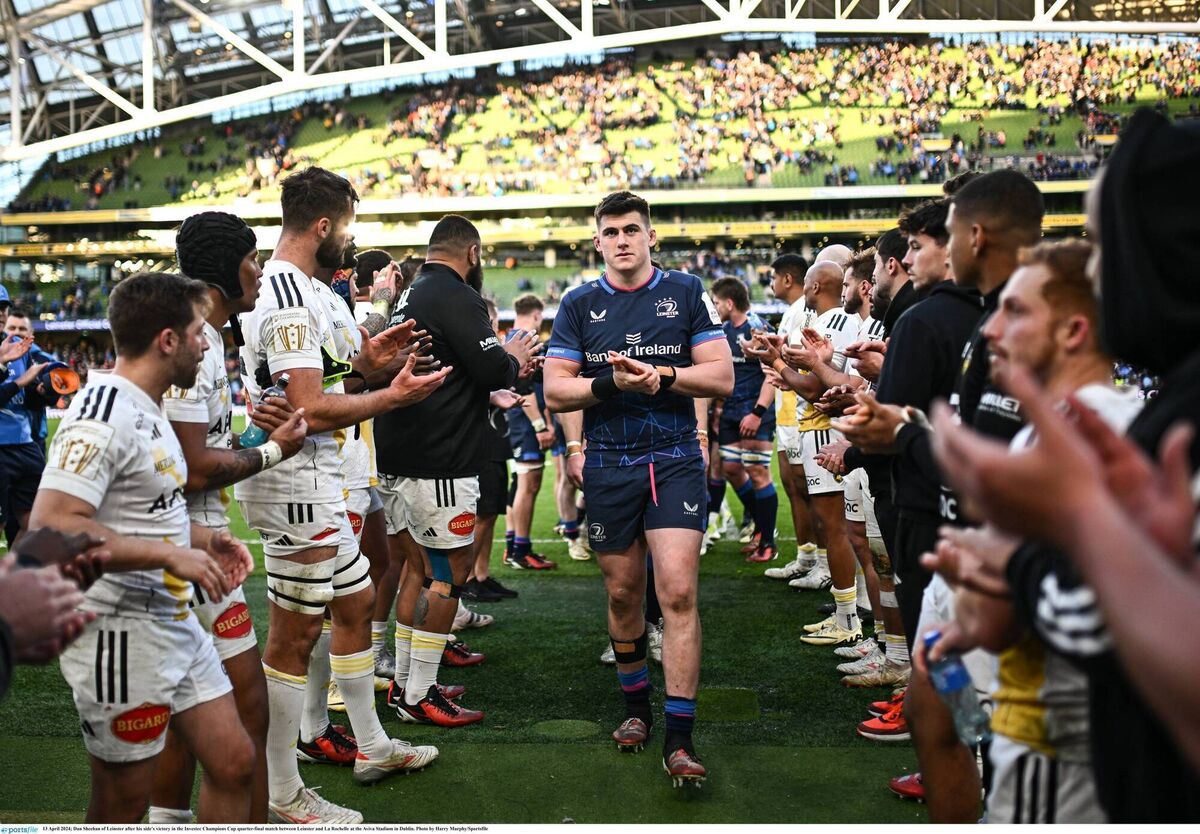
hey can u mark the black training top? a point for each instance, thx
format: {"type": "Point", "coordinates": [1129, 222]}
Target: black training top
{"type": "Point", "coordinates": [445, 435]}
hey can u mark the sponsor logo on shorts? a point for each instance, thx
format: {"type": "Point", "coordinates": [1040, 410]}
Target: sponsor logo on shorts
{"type": "Point", "coordinates": [234, 623]}
{"type": "Point", "coordinates": [324, 534]}
{"type": "Point", "coordinates": [462, 524]}
{"type": "Point", "coordinates": [356, 522]}
{"type": "Point", "coordinates": [142, 724]}
{"type": "Point", "coordinates": [691, 509]}
{"type": "Point", "coordinates": [596, 532]}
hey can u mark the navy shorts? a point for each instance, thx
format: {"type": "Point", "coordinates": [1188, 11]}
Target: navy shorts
{"type": "Point", "coordinates": [20, 474]}
{"type": "Point", "coordinates": [621, 501]}
{"type": "Point", "coordinates": [524, 442]}
{"type": "Point", "coordinates": [730, 431]}
{"type": "Point", "coordinates": [560, 440]}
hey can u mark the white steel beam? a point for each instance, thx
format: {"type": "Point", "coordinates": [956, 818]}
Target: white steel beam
{"type": "Point", "coordinates": [559, 20]}
{"type": "Point", "coordinates": [148, 55]}
{"type": "Point", "coordinates": [719, 10]}
{"type": "Point", "coordinates": [251, 51]}
{"type": "Point", "coordinates": [397, 27]}
{"type": "Point", "coordinates": [334, 44]}
{"type": "Point", "coordinates": [96, 86]}
{"type": "Point", "coordinates": [895, 11]}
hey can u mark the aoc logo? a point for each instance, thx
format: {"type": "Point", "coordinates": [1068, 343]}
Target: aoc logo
{"type": "Point", "coordinates": [596, 532]}
{"type": "Point", "coordinates": [234, 623]}
{"type": "Point", "coordinates": [141, 725]}
{"type": "Point", "coordinates": [666, 308]}
{"type": "Point", "coordinates": [462, 524]}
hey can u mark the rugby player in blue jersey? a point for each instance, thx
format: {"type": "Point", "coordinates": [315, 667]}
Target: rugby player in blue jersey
{"type": "Point", "coordinates": [747, 430]}
{"type": "Point", "coordinates": [632, 349]}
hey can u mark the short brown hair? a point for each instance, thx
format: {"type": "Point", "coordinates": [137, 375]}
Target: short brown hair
{"type": "Point", "coordinates": [144, 305]}
{"type": "Point", "coordinates": [862, 264]}
{"type": "Point", "coordinates": [1069, 290]}
{"type": "Point", "coordinates": [309, 195]}
{"type": "Point", "coordinates": [731, 289]}
{"type": "Point", "coordinates": [622, 202]}
{"type": "Point", "coordinates": [525, 304]}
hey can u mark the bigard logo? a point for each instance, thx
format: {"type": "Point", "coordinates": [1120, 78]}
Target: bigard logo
{"type": "Point", "coordinates": [462, 524]}
{"type": "Point", "coordinates": [142, 724]}
{"type": "Point", "coordinates": [234, 623]}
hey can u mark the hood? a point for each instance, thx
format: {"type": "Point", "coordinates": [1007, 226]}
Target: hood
{"type": "Point", "coordinates": [1150, 243]}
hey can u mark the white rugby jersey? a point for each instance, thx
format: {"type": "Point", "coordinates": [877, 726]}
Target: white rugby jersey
{"type": "Point", "coordinates": [870, 329]}
{"type": "Point", "coordinates": [207, 402]}
{"type": "Point", "coordinates": [115, 450]}
{"type": "Point", "coordinates": [786, 402]}
{"type": "Point", "coordinates": [358, 451]}
{"type": "Point", "coordinates": [287, 330]}
{"type": "Point", "coordinates": [841, 328]}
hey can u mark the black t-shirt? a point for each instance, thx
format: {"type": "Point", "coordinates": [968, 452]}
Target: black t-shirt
{"type": "Point", "coordinates": [445, 435]}
{"type": "Point", "coordinates": [498, 447]}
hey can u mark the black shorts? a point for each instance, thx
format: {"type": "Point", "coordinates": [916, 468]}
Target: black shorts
{"type": "Point", "coordinates": [493, 488]}
{"type": "Point", "coordinates": [20, 474]}
{"type": "Point", "coordinates": [731, 430]}
{"type": "Point", "coordinates": [622, 500]}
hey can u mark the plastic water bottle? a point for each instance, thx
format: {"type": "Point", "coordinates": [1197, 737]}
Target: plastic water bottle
{"type": "Point", "coordinates": [253, 435]}
{"type": "Point", "coordinates": [953, 683]}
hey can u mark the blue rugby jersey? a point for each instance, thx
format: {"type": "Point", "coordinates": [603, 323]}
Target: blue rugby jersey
{"type": "Point", "coordinates": [658, 323]}
{"type": "Point", "coordinates": [747, 373]}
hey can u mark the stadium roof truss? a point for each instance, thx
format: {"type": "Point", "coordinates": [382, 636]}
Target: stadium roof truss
{"type": "Point", "coordinates": [82, 71]}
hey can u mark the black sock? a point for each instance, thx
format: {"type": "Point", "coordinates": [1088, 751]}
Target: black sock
{"type": "Point", "coordinates": [653, 609]}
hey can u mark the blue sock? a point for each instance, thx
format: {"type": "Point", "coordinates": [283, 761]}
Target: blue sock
{"type": "Point", "coordinates": [521, 547]}
{"type": "Point", "coordinates": [681, 717]}
{"type": "Point", "coordinates": [636, 688]}
{"type": "Point", "coordinates": [746, 494]}
{"type": "Point", "coordinates": [716, 494]}
{"type": "Point", "coordinates": [509, 535]}
{"type": "Point", "coordinates": [570, 529]}
{"type": "Point", "coordinates": [766, 505]}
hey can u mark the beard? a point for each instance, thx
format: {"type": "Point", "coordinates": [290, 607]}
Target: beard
{"type": "Point", "coordinates": [474, 277]}
{"type": "Point", "coordinates": [853, 304]}
{"type": "Point", "coordinates": [331, 252]}
{"type": "Point", "coordinates": [186, 373]}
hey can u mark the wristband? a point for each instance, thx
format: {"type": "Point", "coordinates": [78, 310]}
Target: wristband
{"type": "Point", "coordinates": [702, 433]}
{"type": "Point", "coordinates": [775, 366]}
{"type": "Point", "coordinates": [759, 410]}
{"type": "Point", "coordinates": [272, 454]}
{"type": "Point", "coordinates": [665, 381]}
{"type": "Point", "coordinates": [574, 454]}
{"type": "Point", "coordinates": [539, 425]}
{"type": "Point", "coordinates": [577, 444]}
{"type": "Point", "coordinates": [605, 387]}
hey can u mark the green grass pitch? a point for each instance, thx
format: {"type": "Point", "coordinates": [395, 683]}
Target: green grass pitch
{"type": "Point", "coordinates": [774, 726]}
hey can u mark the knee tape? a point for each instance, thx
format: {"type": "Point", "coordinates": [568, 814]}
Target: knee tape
{"type": "Point", "coordinates": [454, 591]}
{"type": "Point", "coordinates": [753, 457]}
{"type": "Point", "coordinates": [439, 564]}
{"type": "Point", "coordinates": [730, 454]}
{"type": "Point", "coordinates": [630, 651]}
{"type": "Point", "coordinates": [524, 467]}
{"type": "Point", "coordinates": [305, 589]}
{"type": "Point", "coordinates": [887, 599]}
{"type": "Point", "coordinates": [352, 575]}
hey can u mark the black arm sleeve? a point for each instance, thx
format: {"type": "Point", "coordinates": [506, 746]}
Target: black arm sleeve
{"type": "Point", "coordinates": [471, 338]}
{"type": "Point", "coordinates": [906, 377]}
{"type": "Point", "coordinates": [913, 443]}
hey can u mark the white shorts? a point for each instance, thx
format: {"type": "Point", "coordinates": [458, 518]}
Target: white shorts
{"type": "Point", "coordinates": [438, 513]}
{"type": "Point", "coordinates": [820, 480]}
{"type": "Point", "coordinates": [358, 505]}
{"type": "Point", "coordinates": [129, 676]}
{"type": "Point", "coordinates": [937, 608]}
{"type": "Point", "coordinates": [787, 440]}
{"type": "Point", "coordinates": [288, 529]}
{"type": "Point", "coordinates": [860, 505]}
{"type": "Point", "coordinates": [1028, 786]}
{"type": "Point", "coordinates": [228, 622]}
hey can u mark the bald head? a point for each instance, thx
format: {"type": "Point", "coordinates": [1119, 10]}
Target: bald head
{"type": "Point", "coordinates": [837, 253]}
{"type": "Point", "coordinates": [823, 286]}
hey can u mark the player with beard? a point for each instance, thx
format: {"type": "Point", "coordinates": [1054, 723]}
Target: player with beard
{"type": "Point", "coordinates": [222, 251]}
{"type": "Point", "coordinates": [117, 473]}
{"type": "Point", "coordinates": [643, 469]}
{"type": "Point", "coordinates": [299, 508]}
{"type": "Point", "coordinates": [430, 458]}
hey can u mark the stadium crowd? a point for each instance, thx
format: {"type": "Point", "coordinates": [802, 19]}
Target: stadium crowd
{"type": "Point", "coordinates": [961, 470]}
{"type": "Point", "coordinates": [732, 113]}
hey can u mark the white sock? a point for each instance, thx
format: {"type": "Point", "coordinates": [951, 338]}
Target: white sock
{"type": "Point", "coordinates": [846, 600]}
{"type": "Point", "coordinates": [823, 559]}
{"type": "Point", "coordinates": [355, 674]}
{"type": "Point", "coordinates": [426, 658]}
{"type": "Point", "coordinates": [897, 649]}
{"type": "Point", "coordinates": [403, 653]}
{"type": "Point", "coordinates": [169, 816]}
{"type": "Point", "coordinates": [378, 637]}
{"type": "Point", "coordinates": [315, 718]}
{"type": "Point", "coordinates": [860, 582]}
{"type": "Point", "coordinates": [285, 699]}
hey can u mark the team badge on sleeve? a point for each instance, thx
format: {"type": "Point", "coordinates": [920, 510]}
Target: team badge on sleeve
{"type": "Point", "coordinates": [79, 447]}
{"type": "Point", "coordinates": [291, 329]}
{"type": "Point", "coordinates": [713, 316]}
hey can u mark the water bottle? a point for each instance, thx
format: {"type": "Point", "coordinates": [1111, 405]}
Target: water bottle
{"type": "Point", "coordinates": [253, 435]}
{"type": "Point", "coordinates": [953, 683]}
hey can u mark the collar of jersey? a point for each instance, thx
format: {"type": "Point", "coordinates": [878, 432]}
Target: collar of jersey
{"type": "Point", "coordinates": [649, 285]}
